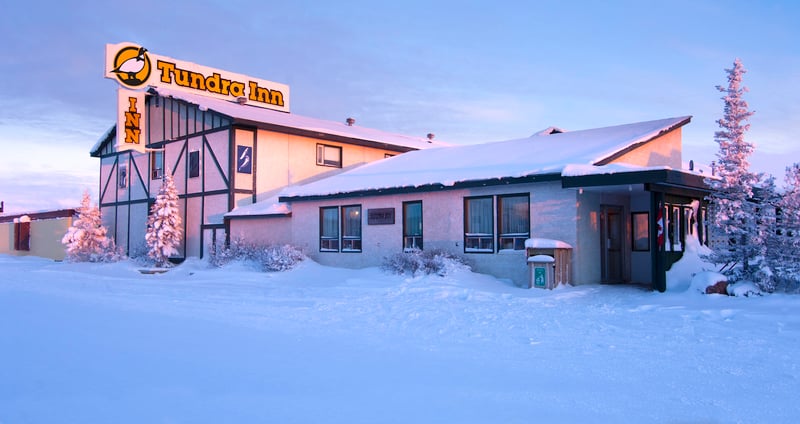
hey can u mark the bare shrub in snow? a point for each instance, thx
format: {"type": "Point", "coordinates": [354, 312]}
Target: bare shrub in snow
{"type": "Point", "coordinates": [417, 262]}
{"type": "Point", "coordinates": [280, 258]}
{"type": "Point", "coordinates": [269, 258]}
{"type": "Point", "coordinates": [86, 239]}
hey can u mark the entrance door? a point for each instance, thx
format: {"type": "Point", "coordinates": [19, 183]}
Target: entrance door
{"type": "Point", "coordinates": [611, 250]}
{"type": "Point", "coordinates": [213, 237]}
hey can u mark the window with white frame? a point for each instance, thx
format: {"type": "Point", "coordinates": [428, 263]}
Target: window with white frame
{"type": "Point", "coordinates": [513, 216]}
{"type": "Point", "coordinates": [351, 228]}
{"type": "Point", "coordinates": [329, 229]}
{"type": "Point", "coordinates": [122, 176]}
{"type": "Point", "coordinates": [412, 225]}
{"type": "Point", "coordinates": [479, 224]}
{"type": "Point", "coordinates": [329, 155]}
{"type": "Point", "coordinates": [157, 164]}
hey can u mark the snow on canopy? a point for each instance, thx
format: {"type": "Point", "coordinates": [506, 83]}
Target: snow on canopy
{"type": "Point", "coordinates": [268, 207]}
{"type": "Point", "coordinates": [573, 170]}
{"type": "Point", "coordinates": [543, 243]}
{"type": "Point", "coordinates": [541, 259]}
{"type": "Point", "coordinates": [535, 155]}
{"type": "Point", "coordinates": [290, 120]}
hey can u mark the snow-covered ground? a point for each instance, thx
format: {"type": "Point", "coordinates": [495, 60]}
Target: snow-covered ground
{"type": "Point", "coordinates": [100, 343]}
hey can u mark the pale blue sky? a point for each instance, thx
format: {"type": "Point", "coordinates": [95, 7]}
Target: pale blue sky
{"type": "Point", "coordinates": [466, 71]}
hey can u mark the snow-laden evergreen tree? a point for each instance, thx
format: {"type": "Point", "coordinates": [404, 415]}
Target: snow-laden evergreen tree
{"type": "Point", "coordinates": [784, 250]}
{"type": "Point", "coordinates": [164, 224]}
{"type": "Point", "coordinates": [767, 235]}
{"type": "Point", "coordinates": [733, 213]}
{"type": "Point", "coordinates": [86, 239]}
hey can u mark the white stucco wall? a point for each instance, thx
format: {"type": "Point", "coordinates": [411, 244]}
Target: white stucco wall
{"type": "Point", "coordinates": [641, 262]}
{"type": "Point", "coordinates": [285, 159]}
{"type": "Point", "coordinates": [664, 150]}
{"type": "Point", "coordinates": [264, 231]}
{"type": "Point", "coordinates": [552, 216]}
{"type": "Point", "coordinates": [586, 267]}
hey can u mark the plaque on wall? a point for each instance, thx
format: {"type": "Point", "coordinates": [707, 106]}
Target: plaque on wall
{"type": "Point", "coordinates": [381, 216]}
{"type": "Point", "coordinates": [244, 159]}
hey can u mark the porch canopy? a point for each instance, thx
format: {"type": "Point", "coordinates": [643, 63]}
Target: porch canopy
{"type": "Point", "coordinates": [665, 185]}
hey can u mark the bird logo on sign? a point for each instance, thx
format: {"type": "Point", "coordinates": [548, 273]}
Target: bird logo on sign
{"type": "Point", "coordinates": [132, 66]}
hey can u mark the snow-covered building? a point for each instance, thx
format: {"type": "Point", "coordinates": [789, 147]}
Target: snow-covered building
{"type": "Point", "coordinates": [223, 155]}
{"type": "Point", "coordinates": [247, 168]}
{"type": "Point", "coordinates": [600, 191]}
{"type": "Point", "coordinates": [223, 152]}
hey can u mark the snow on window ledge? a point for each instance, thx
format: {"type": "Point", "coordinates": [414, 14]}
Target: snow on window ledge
{"type": "Point", "coordinates": [510, 252]}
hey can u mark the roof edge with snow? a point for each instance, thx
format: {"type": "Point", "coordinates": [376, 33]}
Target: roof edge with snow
{"type": "Point", "coordinates": [535, 178]}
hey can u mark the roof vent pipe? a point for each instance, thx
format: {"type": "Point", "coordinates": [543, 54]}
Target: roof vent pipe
{"type": "Point", "coordinates": [350, 122]}
{"type": "Point", "coordinates": [691, 165]}
{"type": "Point", "coordinates": [430, 137]}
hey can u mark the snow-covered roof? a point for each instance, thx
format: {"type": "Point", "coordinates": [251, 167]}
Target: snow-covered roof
{"type": "Point", "coordinates": [268, 207]}
{"type": "Point", "coordinates": [290, 120]}
{"type": "Point", "coordinates": [99, 143]}
{"type": "Point", "coordinates": [447, 166]}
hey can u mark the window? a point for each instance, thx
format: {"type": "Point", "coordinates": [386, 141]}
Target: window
{"type": "Point", "coordinates": [412, 225]}
{"type": "Point", "coordinates": [513, 221]}
{"type": "Point", "coordinates": [329, 156]}
{"type": "Point", "coordinates": [478, 224]}
{"type": "Point", "coordinates": [329, 229]}
{"type": "Point", "coordinates": [351, 228]}
{"type": "Point", "coordinates": [194, 164]}
{"type": "Point", "coordinates": [640, 223]}
{"type": "Point", "coordinates": [157, 165]}
{"type": "Point", "coordinates": [123, 176]}
{"type": "Point", "coordinates": [704, 225]}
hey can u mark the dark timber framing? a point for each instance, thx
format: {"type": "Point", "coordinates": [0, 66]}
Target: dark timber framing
{"type": "Point", "coordinates": [180, 123]}
{"type": "Point", "coordinates": [173, 120]}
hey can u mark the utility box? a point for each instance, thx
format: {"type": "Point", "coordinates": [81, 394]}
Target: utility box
{"type": "Point", "coordinates": [560, 254]}
{"type": "Point", "coordinates": [541, 271]}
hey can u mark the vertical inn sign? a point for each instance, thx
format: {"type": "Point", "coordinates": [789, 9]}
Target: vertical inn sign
{"type": "Point", "coordinates": [131, 125]}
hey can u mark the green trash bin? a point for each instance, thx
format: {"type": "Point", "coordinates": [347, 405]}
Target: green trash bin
{"type": "Point", "coordinates": [541, 271]}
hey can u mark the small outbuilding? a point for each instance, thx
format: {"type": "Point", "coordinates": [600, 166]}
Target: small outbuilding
{"type": "Point", "coordinates": [35, 233]}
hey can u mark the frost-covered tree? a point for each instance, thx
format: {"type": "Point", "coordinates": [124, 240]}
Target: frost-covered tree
{"type": "Point", "coordinates": [733, 213]}
{"type": "Point", "coordinates": [783, 249]}
{"type": "Point", "coordinates": [164, 224]}
{"type": "Point", "coordinates": [86, 239]}
{"type": "Point", "coordinates": [766, 235]}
